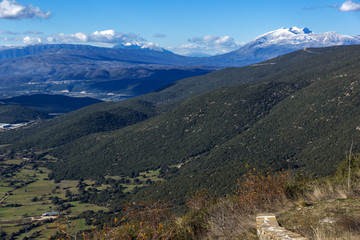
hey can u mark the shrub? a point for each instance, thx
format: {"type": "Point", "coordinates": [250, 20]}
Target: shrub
{"type": "Point", "coordinates": [261, 191]}
{"type": "Point", "coordinates": [144, 220]}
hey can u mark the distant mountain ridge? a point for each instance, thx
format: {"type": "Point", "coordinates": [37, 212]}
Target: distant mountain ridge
{"type": "Point", "coordinates": [79, 70]}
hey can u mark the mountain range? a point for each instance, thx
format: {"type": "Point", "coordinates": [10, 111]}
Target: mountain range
{"type": "Point", "coordinates": [127, 71]}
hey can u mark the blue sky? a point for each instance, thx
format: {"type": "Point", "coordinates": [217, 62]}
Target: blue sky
{"type": "Point", "coordinates": [182, 26]}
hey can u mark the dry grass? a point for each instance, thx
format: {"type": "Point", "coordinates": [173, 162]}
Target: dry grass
{"type": "Point", "coordinates": [330, 219]}
{"type": "Point", "coordinates": [344, 227]}
{"type": "Point", "coordinates": [324, 210]}
{"type": "Point", "coordinates": [326, 190]}
{"type": "Point", "coordinates": [234, 217]}
{"type": "Point", "coordinates": [325, 235]}
{"type": "Point", "coordinates": [227, 220]}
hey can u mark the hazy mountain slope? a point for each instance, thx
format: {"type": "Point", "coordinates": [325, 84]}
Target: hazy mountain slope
{"type": "Point", "coordinates": [85, 70]}
{"type": "Point", "coordinates": [154, 81]}
{"type": "Point", "coordinates": [50, 103]}
{"type": "Point", "coordinates": [87, 52]}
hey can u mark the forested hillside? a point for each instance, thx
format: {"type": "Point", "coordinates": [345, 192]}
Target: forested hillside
{"type": "Point", "coordinates": [299, 111]}
{"type": "Point", "coordinates": [18, 114]}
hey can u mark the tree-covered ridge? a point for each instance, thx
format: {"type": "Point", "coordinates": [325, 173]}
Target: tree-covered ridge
{"type": "Point", "coordinates": [18, 114]}
{"type": "Point", "coordinates": [101, 117]}
{"type": "Point", "coordinates": [177, 135]}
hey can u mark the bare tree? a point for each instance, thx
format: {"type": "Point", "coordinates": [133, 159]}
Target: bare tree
{"type": "Point", "coordinates": [350, 152]}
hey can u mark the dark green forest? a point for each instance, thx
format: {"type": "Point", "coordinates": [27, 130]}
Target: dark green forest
{"type": "Point", "coordinates": [19, 114]}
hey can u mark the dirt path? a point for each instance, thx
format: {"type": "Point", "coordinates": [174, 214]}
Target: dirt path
{"type": "Point", "coordinates": [4, 198]}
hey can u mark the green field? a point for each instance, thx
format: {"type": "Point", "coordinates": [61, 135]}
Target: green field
{"type": "Point", "coordinates": [139, 181]}
{"type": "Point", "coordinates": [153, 175]}
{"type": "Point", "coordinates": [31, 194]}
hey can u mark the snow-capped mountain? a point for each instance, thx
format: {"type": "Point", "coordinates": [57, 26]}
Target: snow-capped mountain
{"type": "Point", "coordinates": [282, 41]}
{"type": "Point", "coordinates": [302, 37]}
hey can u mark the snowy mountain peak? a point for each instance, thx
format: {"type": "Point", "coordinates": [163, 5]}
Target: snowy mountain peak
{"type": "Point", "coordinates": [297, 30]}
{"type": "Point", "coordinates": [285, 40]}
{"type": "Point", "coordinates": [302, 37]}
{"type": "Point", "coordinates": [287, 32]}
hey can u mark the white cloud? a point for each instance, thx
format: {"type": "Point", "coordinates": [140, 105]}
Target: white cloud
{"type": "Point", "coordinates": [31, 41]}
{"type": "Point", "coordinates": [214, 41]}
{"type": "Point", "coordinates": [11, 9]}
{"type": "Point", "coordinates": [101, 37]}
{"type": "Point", "coordinates": [152, 46]}
{"type": "Point", "coordinates": [208, 45]}
{"type": "Point", "coordinates": [349, 6]}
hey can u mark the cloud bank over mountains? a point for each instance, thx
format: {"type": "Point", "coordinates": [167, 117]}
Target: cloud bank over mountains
{"type": "Point", "coordinates": [12, 10]}
{"type": "Point", "coordinates": [106, 37]}
{"type": "Point", "coordinates": [199, 46]}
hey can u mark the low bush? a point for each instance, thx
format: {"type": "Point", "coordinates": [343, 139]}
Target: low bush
{"type": "Point", "coordinates": [259, 191]}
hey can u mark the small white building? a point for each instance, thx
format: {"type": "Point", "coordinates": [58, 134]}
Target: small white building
{"type": "Point", "coordinates": [50, 214]}
{"type": "Point", "coordinates": [5, 125]}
